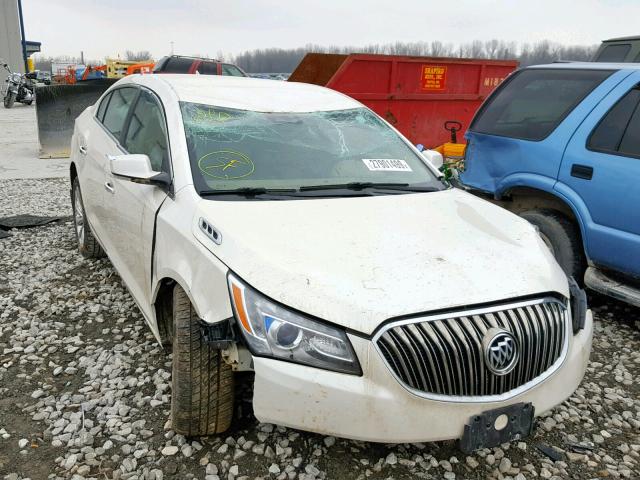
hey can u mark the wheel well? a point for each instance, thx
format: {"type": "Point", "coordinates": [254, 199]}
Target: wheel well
{"type": "Point", "coordinates": [522, 199]}
{"type": "Point", "coordinates": [164, 310]}
{"type": "Point", "coordinates": [73, 173]}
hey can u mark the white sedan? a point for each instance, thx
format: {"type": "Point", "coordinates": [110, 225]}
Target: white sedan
{"type": "Point", "coordinates": [286, 229]}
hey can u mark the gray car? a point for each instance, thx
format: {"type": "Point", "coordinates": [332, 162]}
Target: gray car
{"type": "Point", "coordinates": [614, 50]}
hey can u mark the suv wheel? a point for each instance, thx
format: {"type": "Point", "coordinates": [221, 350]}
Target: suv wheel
{"type": "Point", "coordinates": [87, 243]}
{"type": "Point", "coordinates": [563, 239]}
{"type": "Point", "coordinates": [202, 383]}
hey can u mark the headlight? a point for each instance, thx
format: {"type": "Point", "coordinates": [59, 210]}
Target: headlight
{"type": "Point", "coordinates": [274, 331]}
{"type": "Point", "coordinates": [16, 77]}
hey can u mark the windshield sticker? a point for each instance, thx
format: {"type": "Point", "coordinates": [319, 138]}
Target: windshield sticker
{"type": "Point", "coordinates": [386, 165]}
{"type": "Point", "coordinates": [210, 115]}
{"type": "Point", "coordinates": [226, 165]}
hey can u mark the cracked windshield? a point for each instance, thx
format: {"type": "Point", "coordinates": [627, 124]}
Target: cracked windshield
{"type": "Point", "coordinates": [231, 149]}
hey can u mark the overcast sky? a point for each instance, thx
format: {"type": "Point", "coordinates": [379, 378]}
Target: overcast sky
{"type": "Point", "coordinates": [110, 27]}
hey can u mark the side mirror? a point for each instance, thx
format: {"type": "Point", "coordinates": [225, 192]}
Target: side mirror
{"type": "Point", "coordinates": [137, 168]}
{"type": "Point", "coordinates": [434, 158]}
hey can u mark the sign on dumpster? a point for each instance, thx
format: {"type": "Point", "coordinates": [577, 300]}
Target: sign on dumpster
{"type": "Point", "coordinates": [434, 77]}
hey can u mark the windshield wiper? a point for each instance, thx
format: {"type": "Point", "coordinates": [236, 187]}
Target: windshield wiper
{"type": "Point", "coordinates": [249, 191]}
{"type": "Point", "coordinates": [363, 185]}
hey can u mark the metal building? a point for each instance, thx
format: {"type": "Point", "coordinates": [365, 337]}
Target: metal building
{"type": "Point", "coordinates": [10, 38]}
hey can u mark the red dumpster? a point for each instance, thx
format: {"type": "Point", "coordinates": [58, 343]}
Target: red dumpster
{"type": "Point", "coordinates": [417, 95]}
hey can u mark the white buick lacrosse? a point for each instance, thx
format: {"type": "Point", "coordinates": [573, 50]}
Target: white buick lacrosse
{"type": "Point", "coordinates": [287, 230]}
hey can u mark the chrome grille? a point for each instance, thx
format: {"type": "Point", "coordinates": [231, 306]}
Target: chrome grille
{"type": "Point", "coordinates": [442, 356]}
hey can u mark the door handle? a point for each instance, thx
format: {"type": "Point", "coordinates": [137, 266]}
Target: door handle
{"type": "Point", "coordinates": [83, 149]}
{"type": "Point", "coordinates": [108, 187]}
{"type": "Point", "coordinates": [582, 171]}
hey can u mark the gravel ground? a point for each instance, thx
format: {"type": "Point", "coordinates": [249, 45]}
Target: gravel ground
{"type": "Point", "coordinates": [85, 391]}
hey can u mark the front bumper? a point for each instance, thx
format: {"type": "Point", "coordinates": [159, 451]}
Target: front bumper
{"type": "Point", "coordinates": [376, 407]}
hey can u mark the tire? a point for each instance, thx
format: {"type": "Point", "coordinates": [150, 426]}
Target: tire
{"type": "Point", "coordinates": [563, 239]}
{"type": "Point", "coordinates": [9, 100]}
{"type": "Point", "coordinates": [88, 246]}
{"type": "Point", "coordinates": [202, 383]}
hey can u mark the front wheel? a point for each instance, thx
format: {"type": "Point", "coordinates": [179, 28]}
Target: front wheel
{"type": "Point", "coordinates": [9, 99]}
{"type": "Point", "coordinates": [87, 243]}
{"type": "Point", "coordinates": [562, 237]}
{"type": "Point", "coordinates": [202, 383]}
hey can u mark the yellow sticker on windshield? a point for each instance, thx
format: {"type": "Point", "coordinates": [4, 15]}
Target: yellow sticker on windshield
{"type": "Point", "coordinates": [210, 115]}
{"type": "Point", "coordinates": [226, 165]}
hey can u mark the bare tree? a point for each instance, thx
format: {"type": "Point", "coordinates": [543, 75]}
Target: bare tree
{"type": "Point", "coordinates": [138, 56]}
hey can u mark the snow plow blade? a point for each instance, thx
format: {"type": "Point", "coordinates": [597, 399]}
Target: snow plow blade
{"type": "Point", "coordinates": [57, 107]}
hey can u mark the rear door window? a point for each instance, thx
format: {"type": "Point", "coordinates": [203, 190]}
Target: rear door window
{"type": "Point", "coordinates": [614, 53]}
{"type": "Point", "coordinates": [231, 70]}
{"type": "Point", "coordinates": [532, 103]}
{"type": "Point", "coordinates": [207, 68]}
{"type": "Point", "coordinates": [630, 144]}
{"type": "Point", "coordinates": [608, 135]}
{"type": "Point", "coordinates": [147, 133]}
{"type": "Point", "coordinates": [117, 110]}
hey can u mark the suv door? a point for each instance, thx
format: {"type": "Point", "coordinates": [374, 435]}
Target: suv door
{"type": "Point", "coordinates": [102, 139]}
{"type": "Point", "coordinates": [602, 166]}
{"type": "Point", "coordinates": [131, 207]}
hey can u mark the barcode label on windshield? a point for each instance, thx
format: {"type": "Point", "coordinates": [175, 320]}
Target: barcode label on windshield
{"type": "Point", "coordinates": [386, 165]}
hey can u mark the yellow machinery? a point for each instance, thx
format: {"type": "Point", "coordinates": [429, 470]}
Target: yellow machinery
{"type": "Point", "coordinates": [117, 68]}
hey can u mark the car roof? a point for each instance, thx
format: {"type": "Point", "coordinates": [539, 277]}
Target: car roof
{"type": "Point", "coordinates": [623, 39]}
{"type": "Point", "coordinates": [590, 66]}
{"type": "Point", "coordinates": [243, 93]}
{"type": "Point", "coordinates": [189, 57]}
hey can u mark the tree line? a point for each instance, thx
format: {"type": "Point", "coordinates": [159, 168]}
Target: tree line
{"type": "Point", "coordinates": [272, 60]}
{"type": "Point", "coordinates": [280, 60]}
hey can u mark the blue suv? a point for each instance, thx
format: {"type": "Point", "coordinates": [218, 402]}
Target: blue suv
{"type": "Point", "coordinates": [560, 145]}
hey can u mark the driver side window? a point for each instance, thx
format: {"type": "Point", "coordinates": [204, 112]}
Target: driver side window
{"type": "Point", "coordinates": [147, 132]}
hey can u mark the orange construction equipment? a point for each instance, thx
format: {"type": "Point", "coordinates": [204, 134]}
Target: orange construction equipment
{"type": "Point", "coordinates": [70, 75]}
{"type": "Point", "coordinates": [146, 67]}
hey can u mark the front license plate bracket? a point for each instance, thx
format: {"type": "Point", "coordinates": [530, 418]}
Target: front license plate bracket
{"type": "Point", "coordinates": [481, 431]}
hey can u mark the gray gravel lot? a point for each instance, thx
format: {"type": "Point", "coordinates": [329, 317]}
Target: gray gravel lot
{"type": "Point", "coordinates": [85, 391]}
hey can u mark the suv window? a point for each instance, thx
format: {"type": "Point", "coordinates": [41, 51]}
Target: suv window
{"type": "Point", "coordinates": [614, 53]}
{"type": "Point", "coordinates": [231, 70]}
{"type": "Point", "coordinates": [532, 103]}
{"type": "Point", "coordinates": [630, 144]}
{"type": "Point", "coordinates": [117, 110]}
{"type": "Point", "coordinates": [208, 68]}
{"type": "Point", "coordinates": [607, 136]}
{"type": "Point", "coordinates": [177, 65]}
{"type": "Point", "coordinates": [103, 106]}
{"type": "Point", "coordinates": [147, 133]}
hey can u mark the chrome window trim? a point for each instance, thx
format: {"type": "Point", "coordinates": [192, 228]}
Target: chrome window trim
{"type": "Point", "coordinates": [478, 311]}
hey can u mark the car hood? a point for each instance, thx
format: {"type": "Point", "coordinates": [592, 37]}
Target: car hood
{"type": "Point", "coordinates": [358, 261]}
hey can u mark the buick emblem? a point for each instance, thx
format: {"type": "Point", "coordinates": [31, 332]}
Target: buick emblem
{"type": "Point", "coordinates": [500, 351]}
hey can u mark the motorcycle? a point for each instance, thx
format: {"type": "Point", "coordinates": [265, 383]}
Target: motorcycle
{"type": "Point", "coordinates": [20, 88]}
